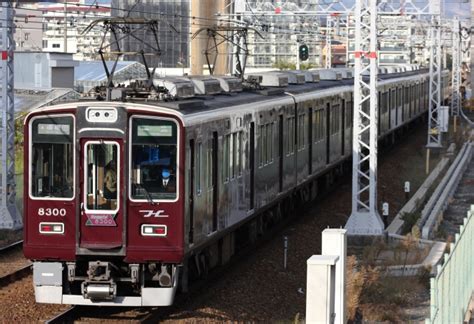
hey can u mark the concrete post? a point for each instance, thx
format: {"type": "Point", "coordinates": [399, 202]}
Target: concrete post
{"type": "Point", "coordinates": [334, 242]}
{"type": "Point", "coordinates": [320, 288]}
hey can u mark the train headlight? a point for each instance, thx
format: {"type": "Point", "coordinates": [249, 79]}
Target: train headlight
{"type": "Point", "coordinates": [154, 230]}
{"type": "Point", "coordinates": [51, 228]}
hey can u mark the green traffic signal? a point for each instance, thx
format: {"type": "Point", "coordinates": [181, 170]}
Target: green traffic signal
{"type": "Point", "coordinates": [303, 52]}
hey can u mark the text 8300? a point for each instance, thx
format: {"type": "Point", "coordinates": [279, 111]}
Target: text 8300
{"type": "Point", "coordinates": [52, 212]}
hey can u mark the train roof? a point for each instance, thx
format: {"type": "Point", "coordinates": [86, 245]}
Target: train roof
{"type": "Point", "coordinates": [200, 105]}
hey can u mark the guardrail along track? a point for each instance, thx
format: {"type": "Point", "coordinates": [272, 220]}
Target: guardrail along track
{"type": "Point", "coordinates": [460, 203]}
{"type": "Point", "coordinates": [450, 202]}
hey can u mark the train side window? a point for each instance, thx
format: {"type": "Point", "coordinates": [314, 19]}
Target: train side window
{"type": "Point", "coordinates": [209, 169]}
{"type": "Point", "coordinates": [262, 143]}
{"type": "Point", "coordinates": [319, 124]}
{"type": "Point", "coordinates": [226, 157]}
{"type": "Point", "coordinates": [348, 113]}
{"type": "Point", "coordinates": [52, 157]}
{"type": "Point", "coordinates": [291, 135]}
{"type": "Point", "coordinates": [231, 155]}
{"type": "Point", "coordinates": [240, 153]}
{"type": "Point", "coordinates": [393, 99]}
{"type": "Point", "coordinates": [384, 102]}
{"type": "Point", "coordinates": [335, 119]}
{"type": "Point", "coordinates": [198, 168]}
{"type": "Point", "coordinates": [269, 143]}
{"type": "Point", "coordinates": [234, 155]}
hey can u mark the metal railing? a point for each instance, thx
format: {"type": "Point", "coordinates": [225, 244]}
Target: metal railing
{"type": "Point", "coordinates": [453, 285]}
{"type": "Point", "coordinates": [432, 213]}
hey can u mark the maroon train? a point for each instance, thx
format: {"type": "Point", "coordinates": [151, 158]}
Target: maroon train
{"type": "Point", "coordinates": [124, 200]}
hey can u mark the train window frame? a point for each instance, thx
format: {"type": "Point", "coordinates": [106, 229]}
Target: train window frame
{"type": "Point", "coordinates": [117, 172]}
{"type": "Point", "coordinates": [335, 118]}
{"type": "Point", "coordinates": [226, 157]}
{"type": "Point", "coordinates": [240, 160]}
{"type": "Point", "coordinates": [269, 144]}
{"type": "Point", "coordinates": [348, 114]}
{"type": "Point", "coordinates": [30, 156]}
{"type": "Point", "coordinates": [178, 156]}
{"type": "Point", "coordinates": [209, 169]}
{"type": "Point", "coordinates": [290, 121]}
{"type": "Point", "coordinates": [261, 132]}
{"type": "Point", "coordinates": [198, 167]}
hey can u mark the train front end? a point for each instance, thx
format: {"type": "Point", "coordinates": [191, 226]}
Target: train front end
{"type": "Point", "coordinates": [103, 203]}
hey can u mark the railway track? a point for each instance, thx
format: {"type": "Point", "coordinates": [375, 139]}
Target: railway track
{"type": "Point", "coordinates": [13, 271]}
{"type": "Point", "coordinates": [66, 316]}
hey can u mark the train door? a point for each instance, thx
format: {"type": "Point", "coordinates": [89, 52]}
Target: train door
{"type": "Point", "coordinates": [252, 165]}
{"type": "Point", "coordinates": [191, 191]}
{"type": "Point", "coordinates": [310, 140]}
{"type": "Point", "coordinates": [343, 123]}
{"type": "Point", "coordinates": [101, 217]}
{"type": "Point", "coordinates": [215, 189]}
{"type": "Point", "coordinates": [328, 133]}
{"type": "Point", "coordinates": [281, 153]}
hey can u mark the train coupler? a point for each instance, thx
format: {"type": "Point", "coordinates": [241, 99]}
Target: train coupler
{"type": "Point", "coordinates": [106, 290]}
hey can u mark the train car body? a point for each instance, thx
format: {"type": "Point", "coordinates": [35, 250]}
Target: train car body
{"type": "Point", "coordinates": [122, 197]}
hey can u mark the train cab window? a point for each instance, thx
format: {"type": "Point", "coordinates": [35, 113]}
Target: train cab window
{"type": "Point", "coordinates": [153, 160]}
{"type": "Point", "coordinates": [102, 175]}
{"type": "Point", "coordinates": [52, 157]}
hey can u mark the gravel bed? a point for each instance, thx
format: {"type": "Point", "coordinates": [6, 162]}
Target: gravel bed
{"type": "Point", "coordinates": [12, 261]}
{"type": "Point", "coordinates": [259, 289]}
{"type": "Point", "coordinates": [18, 304]}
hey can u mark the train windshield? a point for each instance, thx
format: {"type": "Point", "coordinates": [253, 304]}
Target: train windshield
{"type": "Point", "coordinates": [52, 162]}
{"type": "Point", "coordinates": [153, 159]}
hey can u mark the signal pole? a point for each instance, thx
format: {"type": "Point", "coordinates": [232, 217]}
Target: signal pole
{"type": "Point", "coordinates": [9, 218]}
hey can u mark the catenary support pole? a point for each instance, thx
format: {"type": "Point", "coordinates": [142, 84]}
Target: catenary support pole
{"type": "Point", "coordinates": [365, 219]}
{"type": "Point", "coordinates": [9, 217]}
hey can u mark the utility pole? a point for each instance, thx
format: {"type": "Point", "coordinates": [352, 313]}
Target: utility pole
{"type": "Point", "coordinates": [206, 9]}
{"type": "Point", "coordinates": [456, 70]}
{"type": "Point", "coordinates": [9, 218]}
{"type": "Point", "coordinates": [365, 219]}
{"type": "Point", "coordinates": [65, 26]}
{"type": "Point", "coordinates": [328, 62]}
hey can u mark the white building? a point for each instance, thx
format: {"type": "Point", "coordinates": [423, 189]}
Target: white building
{"type": "Point", "coordinates": [78, 17]}
{"type": "Point", "coordinates": [400, 41]}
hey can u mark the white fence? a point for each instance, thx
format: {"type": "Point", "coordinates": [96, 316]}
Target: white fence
{"type": "Point", "coordinates": [453, 285]}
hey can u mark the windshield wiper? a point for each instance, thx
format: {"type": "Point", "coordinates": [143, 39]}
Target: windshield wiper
{"type": "Point", "coordinates": [148, 195]}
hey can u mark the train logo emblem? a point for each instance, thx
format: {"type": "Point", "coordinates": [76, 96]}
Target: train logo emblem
{"type": "Point", "coordinates": [153, 213]}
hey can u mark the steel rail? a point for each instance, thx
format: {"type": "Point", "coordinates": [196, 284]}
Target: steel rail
{"type": "Point", "coordinates": [17, 274]}
{"type": "Point", "coordinates": [65, 316]}
{"type": "Point", "coordinates": [10, 246]}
